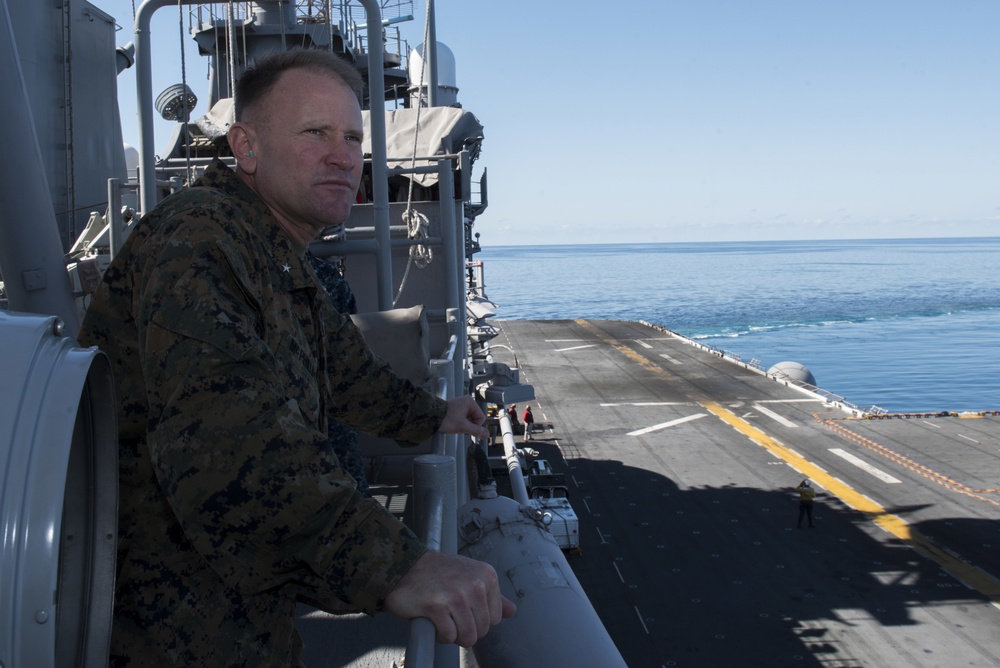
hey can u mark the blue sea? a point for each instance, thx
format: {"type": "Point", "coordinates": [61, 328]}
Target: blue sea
{"type": "Point", "coordinates": [908, 325]}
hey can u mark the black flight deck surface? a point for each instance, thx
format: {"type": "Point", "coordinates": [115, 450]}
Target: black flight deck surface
{"type": "Point", "coordinates": [682, 468]}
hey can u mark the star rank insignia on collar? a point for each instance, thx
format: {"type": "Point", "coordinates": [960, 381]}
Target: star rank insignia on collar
{"type": "Point", "coordinates": [287, 267]}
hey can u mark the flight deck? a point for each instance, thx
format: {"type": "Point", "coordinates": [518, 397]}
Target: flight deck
{"type": "Point", "coordinates": [682, 467]}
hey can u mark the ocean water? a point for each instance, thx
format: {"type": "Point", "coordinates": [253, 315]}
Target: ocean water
{"type": "Point", "coordinates": [908, 325]}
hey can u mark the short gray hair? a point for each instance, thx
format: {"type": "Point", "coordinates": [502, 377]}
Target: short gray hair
{"type": "Point", "coordinates": [258, 79]}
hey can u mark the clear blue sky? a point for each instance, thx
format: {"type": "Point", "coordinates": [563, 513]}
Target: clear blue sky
{"type": "Point", "coordinates": [701, 120]}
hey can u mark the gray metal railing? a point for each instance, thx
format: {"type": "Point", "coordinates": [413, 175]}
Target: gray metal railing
{"type": "Point", "coordinates": [436, 497]}
{"type": "Point", "coordinates": [433, 476]}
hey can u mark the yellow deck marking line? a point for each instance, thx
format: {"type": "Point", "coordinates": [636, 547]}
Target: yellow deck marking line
{"type": "Point", "coordinates": [625, 350]}
{"type": "Point", "coordinates": [970, 575]}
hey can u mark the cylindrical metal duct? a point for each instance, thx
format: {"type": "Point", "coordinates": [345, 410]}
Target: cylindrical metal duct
{"type": "Point", "coordinates": [58, 497]}
{"type": "Point", "coordinates": [534, 574]}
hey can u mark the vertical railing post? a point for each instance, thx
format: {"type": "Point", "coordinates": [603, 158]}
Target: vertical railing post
{"type": "Point", "coordinates": [430, 56]}
{"type": "Point", "coordinates": [434, 512]}
{"type": "Point", "coordinates": [442, 369]}
{"type": "Point", "coordinates": [449, 236]}
{"type": "Point", "coordinates": [380, 183]}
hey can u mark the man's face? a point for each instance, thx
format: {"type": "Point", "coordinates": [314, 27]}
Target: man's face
{"type": "Point", "coordinates": [307, 146]}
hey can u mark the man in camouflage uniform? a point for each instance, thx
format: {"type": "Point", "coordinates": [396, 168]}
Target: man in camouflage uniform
{"type": "Point", "coordinates": [229, 362]}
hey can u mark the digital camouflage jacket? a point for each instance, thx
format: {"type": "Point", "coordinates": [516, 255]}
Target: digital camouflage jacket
{"type": "Point", "coordinates": [228, 363]}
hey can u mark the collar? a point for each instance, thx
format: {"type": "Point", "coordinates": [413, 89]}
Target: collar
{"type": "Point", "coordinates": [286, 258]}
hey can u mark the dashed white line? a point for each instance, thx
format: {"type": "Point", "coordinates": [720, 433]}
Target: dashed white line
{"type": "Point", "coordinates": [968, 439]}
{"type": "Point", "coordinates": [650, 403]}
{"type": "Point", "coordinates": [865, 466]}
{"type": "Point", "coordinates": [618, 571]}
{"type": "Point", "coordinates": [641, 620]}
{"type": "Point", "coordinates": [664, 425]}
{"type": "Point", "coordinates": [643, 343]}
{"type": "Point", "coordinates": [603, 542]}
{"type": "Point", "coordinates": [936, 426]}
{"type": "Point", "coordinates": [563, 350]}
{"type": "Point", "coordinates": [774, 416]}
{"type": "Point", "coordinates": [670, 359]}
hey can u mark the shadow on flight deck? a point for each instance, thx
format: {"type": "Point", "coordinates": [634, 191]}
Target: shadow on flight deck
{"type": "Point", "coordinates": [721, 576]}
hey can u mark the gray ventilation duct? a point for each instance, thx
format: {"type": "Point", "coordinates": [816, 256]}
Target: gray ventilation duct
{"type": "Point", "coordinates": [58, 497]}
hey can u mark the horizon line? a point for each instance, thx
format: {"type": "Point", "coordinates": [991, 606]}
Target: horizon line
{"type": "Point", "coordinates": [737, 241]}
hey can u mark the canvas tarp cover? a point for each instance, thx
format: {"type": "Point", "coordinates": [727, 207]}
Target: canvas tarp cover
{"type": "Point", "coordinates": [442, 130]}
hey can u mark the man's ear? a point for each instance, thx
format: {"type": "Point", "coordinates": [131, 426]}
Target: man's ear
{"type": "Point", "coordinates": [241, 141]}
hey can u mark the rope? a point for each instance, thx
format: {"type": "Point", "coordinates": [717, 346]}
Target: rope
{"type": "Point", "coordinates": [416, 223]}
{"type": "Point", "coordinates": [416, 228]}
{"type": "Point", "coordinates": [420, 255]}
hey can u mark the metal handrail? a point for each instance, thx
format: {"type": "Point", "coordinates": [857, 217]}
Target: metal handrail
{"type": "Point", "coordinates": [518, 489]}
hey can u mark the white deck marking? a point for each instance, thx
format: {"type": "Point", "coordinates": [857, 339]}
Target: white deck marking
{"type": "Point", "coordinates": [651, 403]}
{"type": "Point", "coordinates": [670, 359]}
{"type": "Point", "coordinates": [643, 343]}
{"type": "Point", "coordinates": [562, 350]}
{"type": "Point", "coordinates": [865, 466]}
{"type": "Point", "coordinates": [563, 340]}
{"type": "Point", "coordinates": [619, 572]}
{"type": "Point", "coordinates": [967, 438]}
{"type": "Point", "coordinates": [664, 425]}
{"type": "Point", "coordinates": [641, 620]}
{"type": "Point", "coordinates": [931, 424]}
{"type": "Point", "coordinates": [791, 401]}
{"type": "Point", "coordinates": [774, 416]}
